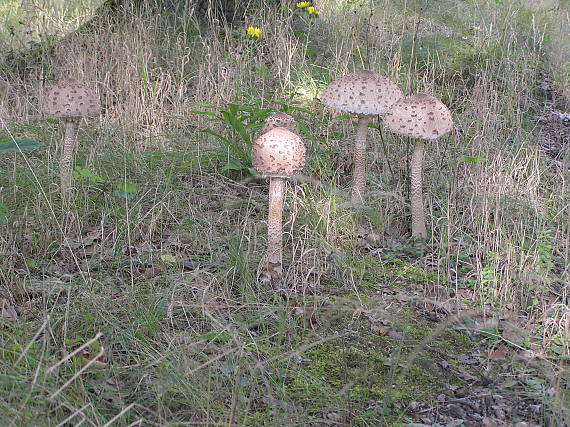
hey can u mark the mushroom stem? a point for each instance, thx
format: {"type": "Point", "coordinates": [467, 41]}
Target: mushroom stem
{"type": "Point", "coordinates": [416, 198]}
{"type": "Point", "coordinates": [275, 228]}
{"type": "Point", "coordinates": [359, 179]}
{"type": "Point", "coordinates": [67, 154]}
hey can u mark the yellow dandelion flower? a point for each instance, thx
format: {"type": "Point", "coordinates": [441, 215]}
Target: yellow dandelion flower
{"type": "Point", "coordinates": [253, 31]}
{"type": "Point", "coordinates": [312, 11]}
{"type": "Point", "coordinates": [303, 4]}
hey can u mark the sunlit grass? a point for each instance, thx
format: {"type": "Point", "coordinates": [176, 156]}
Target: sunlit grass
{"type": "Point", "coordinates": [26, 22]}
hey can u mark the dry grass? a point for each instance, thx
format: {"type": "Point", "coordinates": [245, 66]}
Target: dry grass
{"type": "Point", "coordinates": [170, 276]}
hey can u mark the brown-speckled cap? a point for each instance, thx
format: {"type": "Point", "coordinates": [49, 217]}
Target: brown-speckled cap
{"type": "Point", "coordinates": [71, 99]}
{"type": "Point", "coordinates": [419, 116]}
{"type": "Point", "coordinates": [279, 120]}
{"type": "Point", "coordinates": [278, 152]}
{"type": "Point", "coordinates": [363, 92]}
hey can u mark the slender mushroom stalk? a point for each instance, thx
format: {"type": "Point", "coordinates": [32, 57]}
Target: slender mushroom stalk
{"type": "Point", "coordinates": [278, 154]}
{"type": "Point", "coordinates": [70, 100]}
{"type": "Point", "coordinates": [365, 94]}
{"type": "Point", "coordinates": [416, 193]}
{"type": "Point", "coordinates": [275, 227]}
{"type": "Point", "coordinates": [423, 117]}
{"type": "Point", "coordinates": [67, 155]}
{"type": "Point", "coordinates": [359, 177]}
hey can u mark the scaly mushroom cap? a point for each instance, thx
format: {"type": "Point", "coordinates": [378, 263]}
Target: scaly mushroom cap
{"type": "Point", "coordinates": [419, 116]}
{"type": "Point", "coordinates": [279, 152]}
{"type": "Point", "coordinates": [279, 120]}
{"type": "Point", "coordinates": [363, 92]}
{"type": "Point", "coordinates": [70, 99]}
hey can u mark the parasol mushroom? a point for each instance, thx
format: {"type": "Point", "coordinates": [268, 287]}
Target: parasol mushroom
{"type": "Point", "coordinates": [365, 94]}
{"type": "Point", "coordinates": [70, 100]}
{"type": "Point", "coordinates": [422, 117]}
{"type": "Point", "coordinates": [278, 154]}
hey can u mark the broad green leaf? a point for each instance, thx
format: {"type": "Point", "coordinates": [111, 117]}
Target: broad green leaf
{"type": "Point", "coordinates": [9, 145]}
{"type": "Point", "coordinates": [125, 190]}
{"type": "Point", "coordinates": [127, 187]}
{"type": "Point", "coordinates": [85, 174]}
{"type": "Point", "coordinates": [237, 126]}
{"type": "Point", "coordinates": [31, 263]}
{"type": "Point", "coordinates": [217, 135]}
{"type": "Point", "coordinates": [169, 259]}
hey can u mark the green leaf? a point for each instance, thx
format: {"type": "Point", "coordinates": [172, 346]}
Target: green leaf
{"type": "Point", "coordinates": [125, 190]}
{"type": "Point", "coordinates": [207, 105]}
{"type": "Point", "coordinates": [31, 263]}
{"type": "Point", "coordinates": [343, 117]}
{"type": "Point", "coordinates": [472, 159]}
{"type": "Point", "coordinates": [168, 259]}
{"type": "Point", "coordinates": [81, 173]}
{"type": "Point", "coordinates": [214, 336]}
{"type": "Point", "coordinates": [127, 187]}
{"type": "Point", "coordinates": [233, 165]}
{"type": "Point", "coordinates": [237, 126]}
{"type": "Point", "coordinates": [9, 145]}
{"type": "Point", "coordinates": [217, 135]}
{"type": "Point", "coordinates": [206, 113]}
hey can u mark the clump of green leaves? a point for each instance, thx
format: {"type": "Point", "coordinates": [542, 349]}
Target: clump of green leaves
{"type": "Point", "coordinates": [241, 122]}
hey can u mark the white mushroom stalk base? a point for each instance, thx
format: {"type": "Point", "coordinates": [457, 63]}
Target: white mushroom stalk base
{"type": "Point", "coordinates": [66, 161]}
{"type": "Point", "coordinates": [359, 178]}
{"type": "Point", "coordinates": [416, 194]}
{"type": "Point", "coordinates": [275, 228]}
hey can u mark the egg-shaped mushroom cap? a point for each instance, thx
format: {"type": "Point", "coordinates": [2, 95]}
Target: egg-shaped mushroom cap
{"type": "Point", "coordinates": [419, 116]}
{"type": "Point", "coordinates": [279, 120]}
{"type": "Point", "coordinates": [279, 152]}
{"type": "Point", "coordinates": [70, 99]}
{"type": "Point", "coordinates": [363, 92]}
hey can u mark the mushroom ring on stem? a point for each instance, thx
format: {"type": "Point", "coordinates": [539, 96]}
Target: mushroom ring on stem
{"type": "Point", "coordinates": [278, 154]}
{"type": "Point", "coordinates": [365, 94]}
{"type": "Point", "coordinates": [422, 117]}
{"type": "Point", "coordinates": [70, 100]}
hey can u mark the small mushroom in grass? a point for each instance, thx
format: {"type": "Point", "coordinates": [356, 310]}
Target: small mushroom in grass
{"type": "Point", "coordinates": [421, 117]}
{"type": "Point", "coordinates": [70, 100]}
{"type": "Point", "coordinates": [279, 120]}
{"type": "Point", "coordinates": [365, 94]}
{"type": "Point", "coordinates": [278, 154]}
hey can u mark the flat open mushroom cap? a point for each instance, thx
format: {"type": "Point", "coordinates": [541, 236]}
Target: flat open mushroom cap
{"type": "Point", "coordinates": [279, 120]}
{"type": "Point", "coordinates": [363, 92]}
{"type": "Point", "coordinates": [70, 99]}
{"type": "Point", "coordinates": [419, 116]}
{"type": "Point", "coordinates": [279, 152]}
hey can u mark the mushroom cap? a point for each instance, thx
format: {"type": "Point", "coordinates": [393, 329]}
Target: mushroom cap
{"type": "Point", "coordinates": [70, 99]}
{"type": "Point", "coordinates": [419, 116]}
{"type": "Point", "coordinates": [278, 152]}
{"type": "Point", "coordinates": [279, 120]}
{"type": "Point", "coordinates": [363, 92]}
